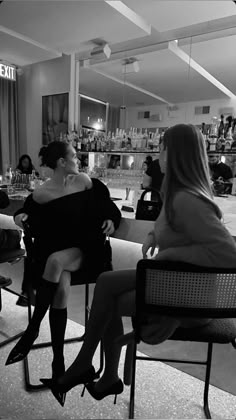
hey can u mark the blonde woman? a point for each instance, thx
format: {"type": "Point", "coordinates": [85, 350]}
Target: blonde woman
{"type": "Point", "coordinates": [189, 229]}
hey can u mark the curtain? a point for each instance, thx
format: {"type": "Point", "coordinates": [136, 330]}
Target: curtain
{"type": "Point", "coordinates": [9, 139]}
{"type": "Point", "coordinates": [113, 118]}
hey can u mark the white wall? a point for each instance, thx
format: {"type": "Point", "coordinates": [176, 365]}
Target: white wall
{"type": "Point", "coordinates": [185, 113]}
{"type": "Point", "coordinates": [45, 78]}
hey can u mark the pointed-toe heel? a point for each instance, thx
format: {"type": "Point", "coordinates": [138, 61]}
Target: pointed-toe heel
{"type": "Point", "coordinates": [115, 389]}
{"type": "Point", "coordinates": [21, 349]}
{"type": "Point", "coordinates": [52, 385]}
{"type": "Point", "coordinates": [59, 390]}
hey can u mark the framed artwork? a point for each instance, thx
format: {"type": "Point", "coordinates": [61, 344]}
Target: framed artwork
{"type": "Point", "coordinates": [54, 117]}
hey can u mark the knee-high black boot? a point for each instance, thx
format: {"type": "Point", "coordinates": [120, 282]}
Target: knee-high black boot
{"type": "Point", "coordinates": [43, 299]}
{"type": "Point", "coordinates": [57, 321]}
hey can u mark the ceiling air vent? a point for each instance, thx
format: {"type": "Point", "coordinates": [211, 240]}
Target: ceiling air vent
{"type": "Point", "coordinates": [200, 110]}
{"type": "Point", "coordinates": [143, 114]}
{"type": "Point", "coordinates": [155, 117]}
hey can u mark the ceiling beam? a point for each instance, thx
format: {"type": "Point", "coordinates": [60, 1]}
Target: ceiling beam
{"type": "Point", "coordinates": [29, 40]}
{"type": "Point", "coordinates": [131, 85]}
{"type": "Point", "coordinates": [130, 15]}
{"type": "Point", "coordinates": [173, 47]}
{"type": "Point", "coordinates": [199, 32]}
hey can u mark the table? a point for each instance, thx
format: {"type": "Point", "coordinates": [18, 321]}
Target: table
{"type": "Point", "coordinates": [16, 202]}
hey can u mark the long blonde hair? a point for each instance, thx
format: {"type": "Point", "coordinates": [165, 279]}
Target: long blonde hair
{"type": "Point", "coordinates": [187, 167]}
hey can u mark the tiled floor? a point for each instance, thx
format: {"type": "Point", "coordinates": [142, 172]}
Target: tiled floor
{"type": "Point", "coordinates": [161, 391]}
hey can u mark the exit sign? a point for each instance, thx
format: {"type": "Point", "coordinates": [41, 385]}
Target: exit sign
{"type": "Point", "coordinates": [7, 72]}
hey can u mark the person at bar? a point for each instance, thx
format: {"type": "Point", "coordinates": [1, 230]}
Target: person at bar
{"type": "Point", "coordinates": [219, 169]}
{"type": "Point", "coordinates": [153, 177]}
{"type": "Point", "coordinates": [220, 174]}
{"type": "Point", "coordinates": [70, 216]}
{"type": "Point", "coordinates": [189, 229]}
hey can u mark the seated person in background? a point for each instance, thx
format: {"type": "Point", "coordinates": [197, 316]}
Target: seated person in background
{"type": "Point", "coordinates": [219, 169]}
{"type": "Point", "coordinates": [9, 238]}
{"type": "Point", "coordinates": [220, 173]}
{"type": "Point", "coordinates": [153, 177]}
{"type": "Point", "coordinates": [25, 166]}
{"type": "Point", "coordinates": [189, 229]}
{"type": "Point", "coordinates": [69, 217]}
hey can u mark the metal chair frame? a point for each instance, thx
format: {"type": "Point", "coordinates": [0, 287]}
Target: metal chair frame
{"type": "Point", "coordinates": [11, 257]}
{"type": "Point", "coordinates": [28, 384]}
{"type": "Point", "coordinates": [179, 310]}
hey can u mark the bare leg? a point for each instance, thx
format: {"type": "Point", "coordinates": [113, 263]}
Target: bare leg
{"type": "Point", "coordinates": [62, 294]}
{"type": "Point", "coordinates": [109, 286]}
{"type": "Point", "coordinates": [68, 259]}
{"type": "Point", "coordinates": [112, 349]}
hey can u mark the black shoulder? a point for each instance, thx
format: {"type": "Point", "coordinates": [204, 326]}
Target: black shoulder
{"type": "Point", "coordinates": [4, 200]}
{"type": "Point", "coordinates": [100, 188]}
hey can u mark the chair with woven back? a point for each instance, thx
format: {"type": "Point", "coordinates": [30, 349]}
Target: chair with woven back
{"type": "Point", "coordinates": [182, 290]}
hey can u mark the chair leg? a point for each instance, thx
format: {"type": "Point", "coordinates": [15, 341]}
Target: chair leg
{"type": "Point", "coordinates": [18, 335]}
{"type": "Point", "coordinates": [132, 388]}
{"type": "Point", "coordinates": [207, 381]}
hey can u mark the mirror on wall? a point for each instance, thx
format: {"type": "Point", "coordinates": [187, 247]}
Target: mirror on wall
{"type": "Point", "coordinates": [54, 117]}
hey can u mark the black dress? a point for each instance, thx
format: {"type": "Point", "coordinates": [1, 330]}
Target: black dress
{"type": "Point", "coordinates": [73, 220]}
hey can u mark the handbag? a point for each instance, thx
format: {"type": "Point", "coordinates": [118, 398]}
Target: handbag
{"type": "Point", "coordinates": [107, 255]}
{"type": "Point", "coordinates": [148, 209]}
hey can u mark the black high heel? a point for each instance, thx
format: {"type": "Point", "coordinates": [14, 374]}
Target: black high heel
{"type": "Point", "coordinates": [22, 348]}
{"type": "Point", "coordinates": [58, 390]}
{"type": "Point", "coordinates": [58, 370]}
{"type": "Point", "coordinates": [115, 389]}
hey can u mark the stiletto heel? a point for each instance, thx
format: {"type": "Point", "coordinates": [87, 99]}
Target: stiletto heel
{"type": "Point", "coordinates": [58, 390]}
{"type": "Point", "coordinates": [51, 384]}
{"type": "Point", "coordinates": [116, 388]}
{"type": "Point", "coordinates": [21, 349]}
{"type": "Point", "coordinates": [83, 391]}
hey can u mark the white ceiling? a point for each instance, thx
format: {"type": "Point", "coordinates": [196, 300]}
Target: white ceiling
{"type": "Point", "coordinates": [33, 31]}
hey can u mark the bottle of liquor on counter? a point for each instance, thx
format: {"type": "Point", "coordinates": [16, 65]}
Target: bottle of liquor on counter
{"type": "Point", "coordinates": [221, 128]}
{"type": "Point", "coordinates": [229, 139]}
{"type": "Point", "coordinates": [8, 175]}
{"type": "Point", "coordinates": [207, 141]}
{"type": "Point", "coordinates": [220, 144]}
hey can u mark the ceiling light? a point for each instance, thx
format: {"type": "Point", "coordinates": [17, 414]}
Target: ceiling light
{"type": "Point", "coordinates": [130, 65]}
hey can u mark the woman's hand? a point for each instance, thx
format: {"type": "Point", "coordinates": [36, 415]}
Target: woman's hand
{"type": "Point", "coordinates": [22, 217]}
{"type": "Point", "coordinates": [108, 227]}
{"type": "Point", "coordinates": [149, 243]}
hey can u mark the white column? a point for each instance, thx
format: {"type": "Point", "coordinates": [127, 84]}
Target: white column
{"type": "Point", "coordinates": [71, 117]}
{"type": "Point", "coordinates": [77, 97]}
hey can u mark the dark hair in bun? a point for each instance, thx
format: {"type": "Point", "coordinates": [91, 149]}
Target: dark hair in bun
{"type": "Point", "coordinates": [51, 153]}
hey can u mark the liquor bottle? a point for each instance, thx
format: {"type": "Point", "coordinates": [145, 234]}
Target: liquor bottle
{"type": "Point", "coordinates": [221, 128]}
{"type": "Point", "coordinates": [220, 144]}
{"type": "Point", "coordinates": [8, 175]}
{"type": "Point", "coordinates": [213, 134]}
{"type": "Point", "coordinates": [228, 124]}
{"type": "Point", "coordinates": [229, 139]}
{"type": "Point", "coordinates": [207, 141]}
